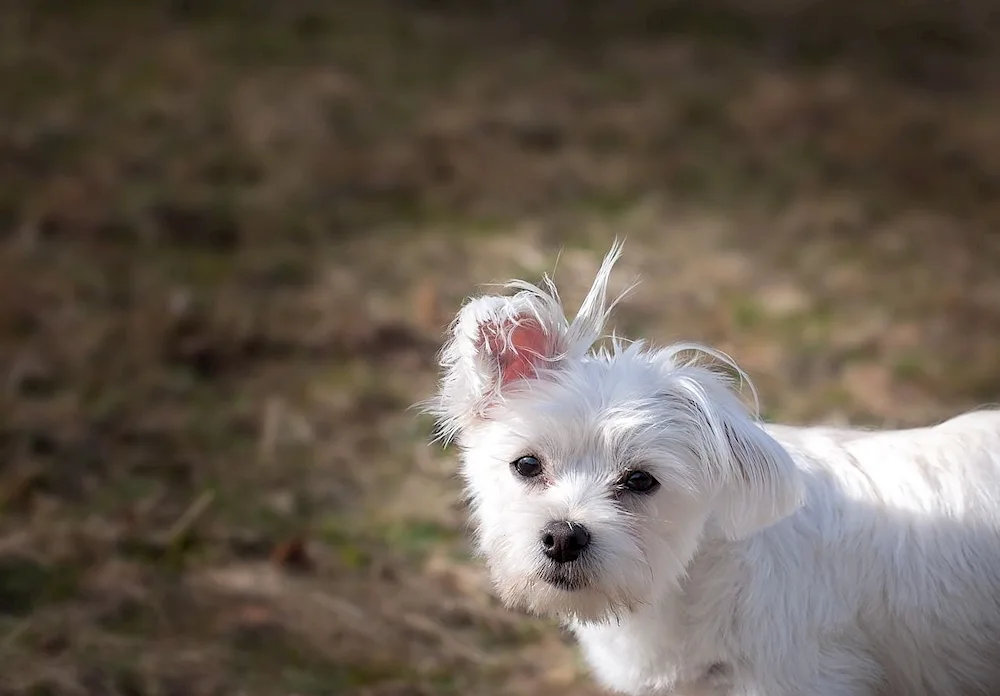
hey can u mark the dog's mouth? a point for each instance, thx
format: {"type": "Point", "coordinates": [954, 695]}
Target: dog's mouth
{"type": "Point", "coordinates": [564, 580]}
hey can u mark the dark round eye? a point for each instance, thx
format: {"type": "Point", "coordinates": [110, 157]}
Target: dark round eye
{"type": "Point", "coordinates": [527, 466]}
{"type": "Point", "coordinates": [640, 482]}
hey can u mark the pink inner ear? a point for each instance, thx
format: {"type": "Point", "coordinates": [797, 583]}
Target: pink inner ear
{"type": "Point", "coordinates": [528, 345]}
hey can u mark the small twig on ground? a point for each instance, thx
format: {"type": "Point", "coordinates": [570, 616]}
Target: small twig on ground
{"type": "Point", "coordinates": [349, 613]}
{"type": "Point", "coordinates": [428, 627]}
{"type": "Point", "coordinates": [185, 522]}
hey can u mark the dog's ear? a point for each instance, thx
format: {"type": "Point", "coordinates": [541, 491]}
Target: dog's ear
{"type": "Point", "coordinates": [760, 483]}
{"type": "Point", "coordinates": [497, 344]}
{"type": "Point", "coordinates": [512, 348]}
{"type": "Point", "coordinates": [754, 479]}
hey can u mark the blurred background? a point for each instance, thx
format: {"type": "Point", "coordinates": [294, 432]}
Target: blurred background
{"type": "Point", "coordinates": [233, 231]}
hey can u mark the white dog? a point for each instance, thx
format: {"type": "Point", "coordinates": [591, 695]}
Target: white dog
{"type": "Point", "coordinates": [693, 550]}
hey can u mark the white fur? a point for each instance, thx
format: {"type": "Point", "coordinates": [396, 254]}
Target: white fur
{"type": "Point", "coordinates": [771, 561]}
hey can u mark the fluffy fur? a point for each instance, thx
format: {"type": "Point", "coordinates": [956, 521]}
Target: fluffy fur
{"type": "Point", "coordinates": [769, 561]}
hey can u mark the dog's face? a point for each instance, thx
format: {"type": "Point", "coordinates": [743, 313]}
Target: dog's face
{"type": "Point", "coordinates": [593, 475]}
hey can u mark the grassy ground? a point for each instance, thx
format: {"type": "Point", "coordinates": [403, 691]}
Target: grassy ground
{"type": "Point", "coordinates": [231, 236]}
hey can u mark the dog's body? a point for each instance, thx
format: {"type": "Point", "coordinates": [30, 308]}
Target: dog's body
{"type": "Point", "coordinates": [696, 552]}
{"type": "Point", "coordinates": [885, 581]}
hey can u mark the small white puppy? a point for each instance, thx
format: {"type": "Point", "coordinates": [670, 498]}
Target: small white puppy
{"type": "Point", "coordinates": [693, 550]}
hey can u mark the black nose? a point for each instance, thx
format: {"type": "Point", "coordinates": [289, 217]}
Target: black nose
{"type": "Point", "coordinates": [563, 541]}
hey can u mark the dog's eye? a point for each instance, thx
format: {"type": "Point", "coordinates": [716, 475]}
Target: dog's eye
{"type": "Point", "coordinates": [527, 466]}
{"type": "Point", "coordinates": [640, 482]}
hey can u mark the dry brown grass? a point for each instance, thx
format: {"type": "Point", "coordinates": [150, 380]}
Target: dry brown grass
{"type": "Point", "coordinates": [230, 237]}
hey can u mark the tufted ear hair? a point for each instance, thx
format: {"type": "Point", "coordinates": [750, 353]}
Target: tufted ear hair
{"type": "Point", "coordinates": [754, 479]}
{"type": "Point", "coordinates": [498, 344]}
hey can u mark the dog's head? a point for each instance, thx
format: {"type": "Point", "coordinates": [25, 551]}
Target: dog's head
{"type": "Point", "coordinates": [593, 473]}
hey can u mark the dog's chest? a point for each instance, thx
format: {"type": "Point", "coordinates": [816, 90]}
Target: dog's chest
{"type": "Point", "coordinates": [646, 655]}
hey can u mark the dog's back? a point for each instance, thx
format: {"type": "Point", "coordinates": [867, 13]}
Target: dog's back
{"type": "Point", "coordinates": [912, 521]}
